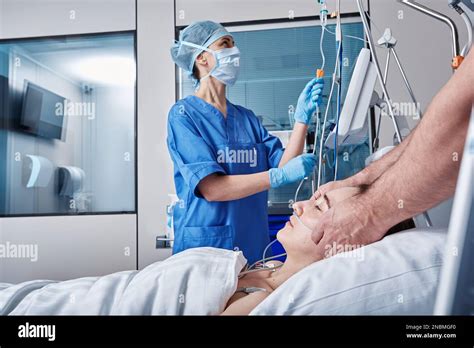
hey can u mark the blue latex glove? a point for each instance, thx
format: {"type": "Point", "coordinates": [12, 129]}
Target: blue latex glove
{"type": "Point", "coordinates": [308, 99]}
{"type": "Point", "coordinates": [295, 170]}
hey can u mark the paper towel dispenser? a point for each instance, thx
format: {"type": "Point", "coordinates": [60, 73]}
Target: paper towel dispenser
{"type": "Point", "coordinates": [70, 180]}
{"type": "Point", "coordinates": [38, 171]}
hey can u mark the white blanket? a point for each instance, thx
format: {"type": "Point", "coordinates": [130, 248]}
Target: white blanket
{"type": "Point", "coordinates": [197, 281]}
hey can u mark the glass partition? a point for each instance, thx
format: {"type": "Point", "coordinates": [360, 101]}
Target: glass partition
{"type": "Point", "coordinates": [67, 125]}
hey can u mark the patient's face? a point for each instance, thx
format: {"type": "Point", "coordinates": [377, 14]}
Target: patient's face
{"type": "Point", "coordinates": [296, 235]}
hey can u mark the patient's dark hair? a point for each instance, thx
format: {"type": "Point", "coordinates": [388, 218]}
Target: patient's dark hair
{"type": "Point", "coordinates": [402, 226]}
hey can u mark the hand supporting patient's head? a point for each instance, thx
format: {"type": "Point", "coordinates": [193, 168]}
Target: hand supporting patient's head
{"type": "Point", "coordinates": [320, 229]}
{"type": "Point", "coordinates": [296, 236]}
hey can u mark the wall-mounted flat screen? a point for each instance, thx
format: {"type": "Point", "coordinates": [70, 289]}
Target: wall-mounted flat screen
{"type": "Point", "coordinates": [41, 112]}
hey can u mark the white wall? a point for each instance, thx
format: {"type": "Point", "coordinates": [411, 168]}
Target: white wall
{"type": "Point", "coordinates": [20, 18]}
{"type": "Point", "coordinates": [156, 94]}
{"type": "Point", "coordinates": [68, 246]}
{"type": "Point", "coordinates": [228, 11]}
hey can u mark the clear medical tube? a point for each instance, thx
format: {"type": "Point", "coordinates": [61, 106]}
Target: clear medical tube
{"type": "Point", "coordinates": [347, 36]}
{"type": "Point", "coordinates": [321, 144]}
{"type": "Point", "coordinates": [323, 17]}
{"type": "Point", "coordinates": [250, 270]}
{"type": "Point", "coordinates": [339, 81]}
{"type": "Point", "coordinates": [321, 50]}
{"type": "Point", "coordinates": [338, 111]}
{"type": "Point", "coordinates": [266, 248]}
{"type": "Point", "coordinates": [323, 12]}
{"type": "Point", "coordinates": [301, 222]}
{"type": "Point", "coordinates": [264, 259]}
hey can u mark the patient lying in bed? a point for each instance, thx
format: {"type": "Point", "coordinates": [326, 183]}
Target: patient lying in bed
{"type": "Point", "coordinates": [301, 251]}
{"type": "Point", "coordinates": [199, 281]}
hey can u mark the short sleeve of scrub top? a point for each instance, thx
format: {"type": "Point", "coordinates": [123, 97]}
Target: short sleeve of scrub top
{"type": "Point", "coordinates": [193, 156]}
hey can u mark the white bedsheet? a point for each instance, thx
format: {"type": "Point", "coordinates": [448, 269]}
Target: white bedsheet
{"type": "Point", "coordinates": [395, 276]}
{"type": "Point", "coordinates": [196, 281]}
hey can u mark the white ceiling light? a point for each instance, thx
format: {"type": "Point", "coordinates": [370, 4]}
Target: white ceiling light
{"type": "Point", "coordinates": [110, 70]}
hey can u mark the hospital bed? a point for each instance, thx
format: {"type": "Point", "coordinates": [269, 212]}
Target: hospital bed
{"type": "Point", "coordinates": [399, 275]}
{"type": "Point", "coordinates": [456, 290]}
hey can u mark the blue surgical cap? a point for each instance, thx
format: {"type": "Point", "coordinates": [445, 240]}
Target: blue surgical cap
{"type": "Point", "coordinates": [202, 33]}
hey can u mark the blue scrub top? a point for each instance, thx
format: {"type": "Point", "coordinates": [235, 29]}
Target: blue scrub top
{"type": "Point", "coordinates": [202, 142]}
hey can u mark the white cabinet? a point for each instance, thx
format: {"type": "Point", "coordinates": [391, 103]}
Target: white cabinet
{"type": "Point", "coordinates": [30, 18]}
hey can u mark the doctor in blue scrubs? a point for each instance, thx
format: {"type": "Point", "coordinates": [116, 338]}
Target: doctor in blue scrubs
{"type": "Point", "coordinates": [224, 159]}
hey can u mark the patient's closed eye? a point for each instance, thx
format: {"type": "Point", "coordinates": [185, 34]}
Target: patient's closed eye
{"type": "Point", "coordinates": [319, 206]}
{"type": "Point", "coordinates": [322, 204]}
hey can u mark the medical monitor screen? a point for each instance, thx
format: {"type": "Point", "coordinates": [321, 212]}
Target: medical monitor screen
{"type": "Point", "coordinates": [41, 112]}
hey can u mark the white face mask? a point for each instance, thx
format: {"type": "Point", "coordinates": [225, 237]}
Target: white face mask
{"type": "Point", "coordinates": [227, 65]}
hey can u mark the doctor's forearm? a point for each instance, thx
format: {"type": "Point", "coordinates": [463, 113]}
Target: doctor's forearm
{"type": "Point", "coordinates": [296, 144]}
{"type": "Point", "coordinates": [426, 173]}
{"type": "Point", "coordinates": [221, 188]}
{"type": "Point", "coordinates": [373, 171]}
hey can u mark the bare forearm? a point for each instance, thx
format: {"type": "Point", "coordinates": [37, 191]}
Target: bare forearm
{"type": "Point", "coordinates": [427, 170]}
{"type": "Point", "coordinates": [369, 174]}
{"type": "Point", "coordinates": [373, 171]}
{"type": "Point", "coordinates": [296, 144]}
{"type": "Point", "coordinates": [221, 188]}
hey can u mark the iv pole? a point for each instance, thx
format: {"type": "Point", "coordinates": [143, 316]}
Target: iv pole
{"type": "Point", "coordinates": [386, 95]}
{"type": "Point", "coordinates": [388, 41]}
{"type": "Point", "coordinates": [457, 57]}
{"type": "Point", "coordinates": [382, 81]}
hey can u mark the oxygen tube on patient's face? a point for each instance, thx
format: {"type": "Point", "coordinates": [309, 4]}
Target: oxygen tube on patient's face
{"type": "Point", "coordinates": [264, 259]}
